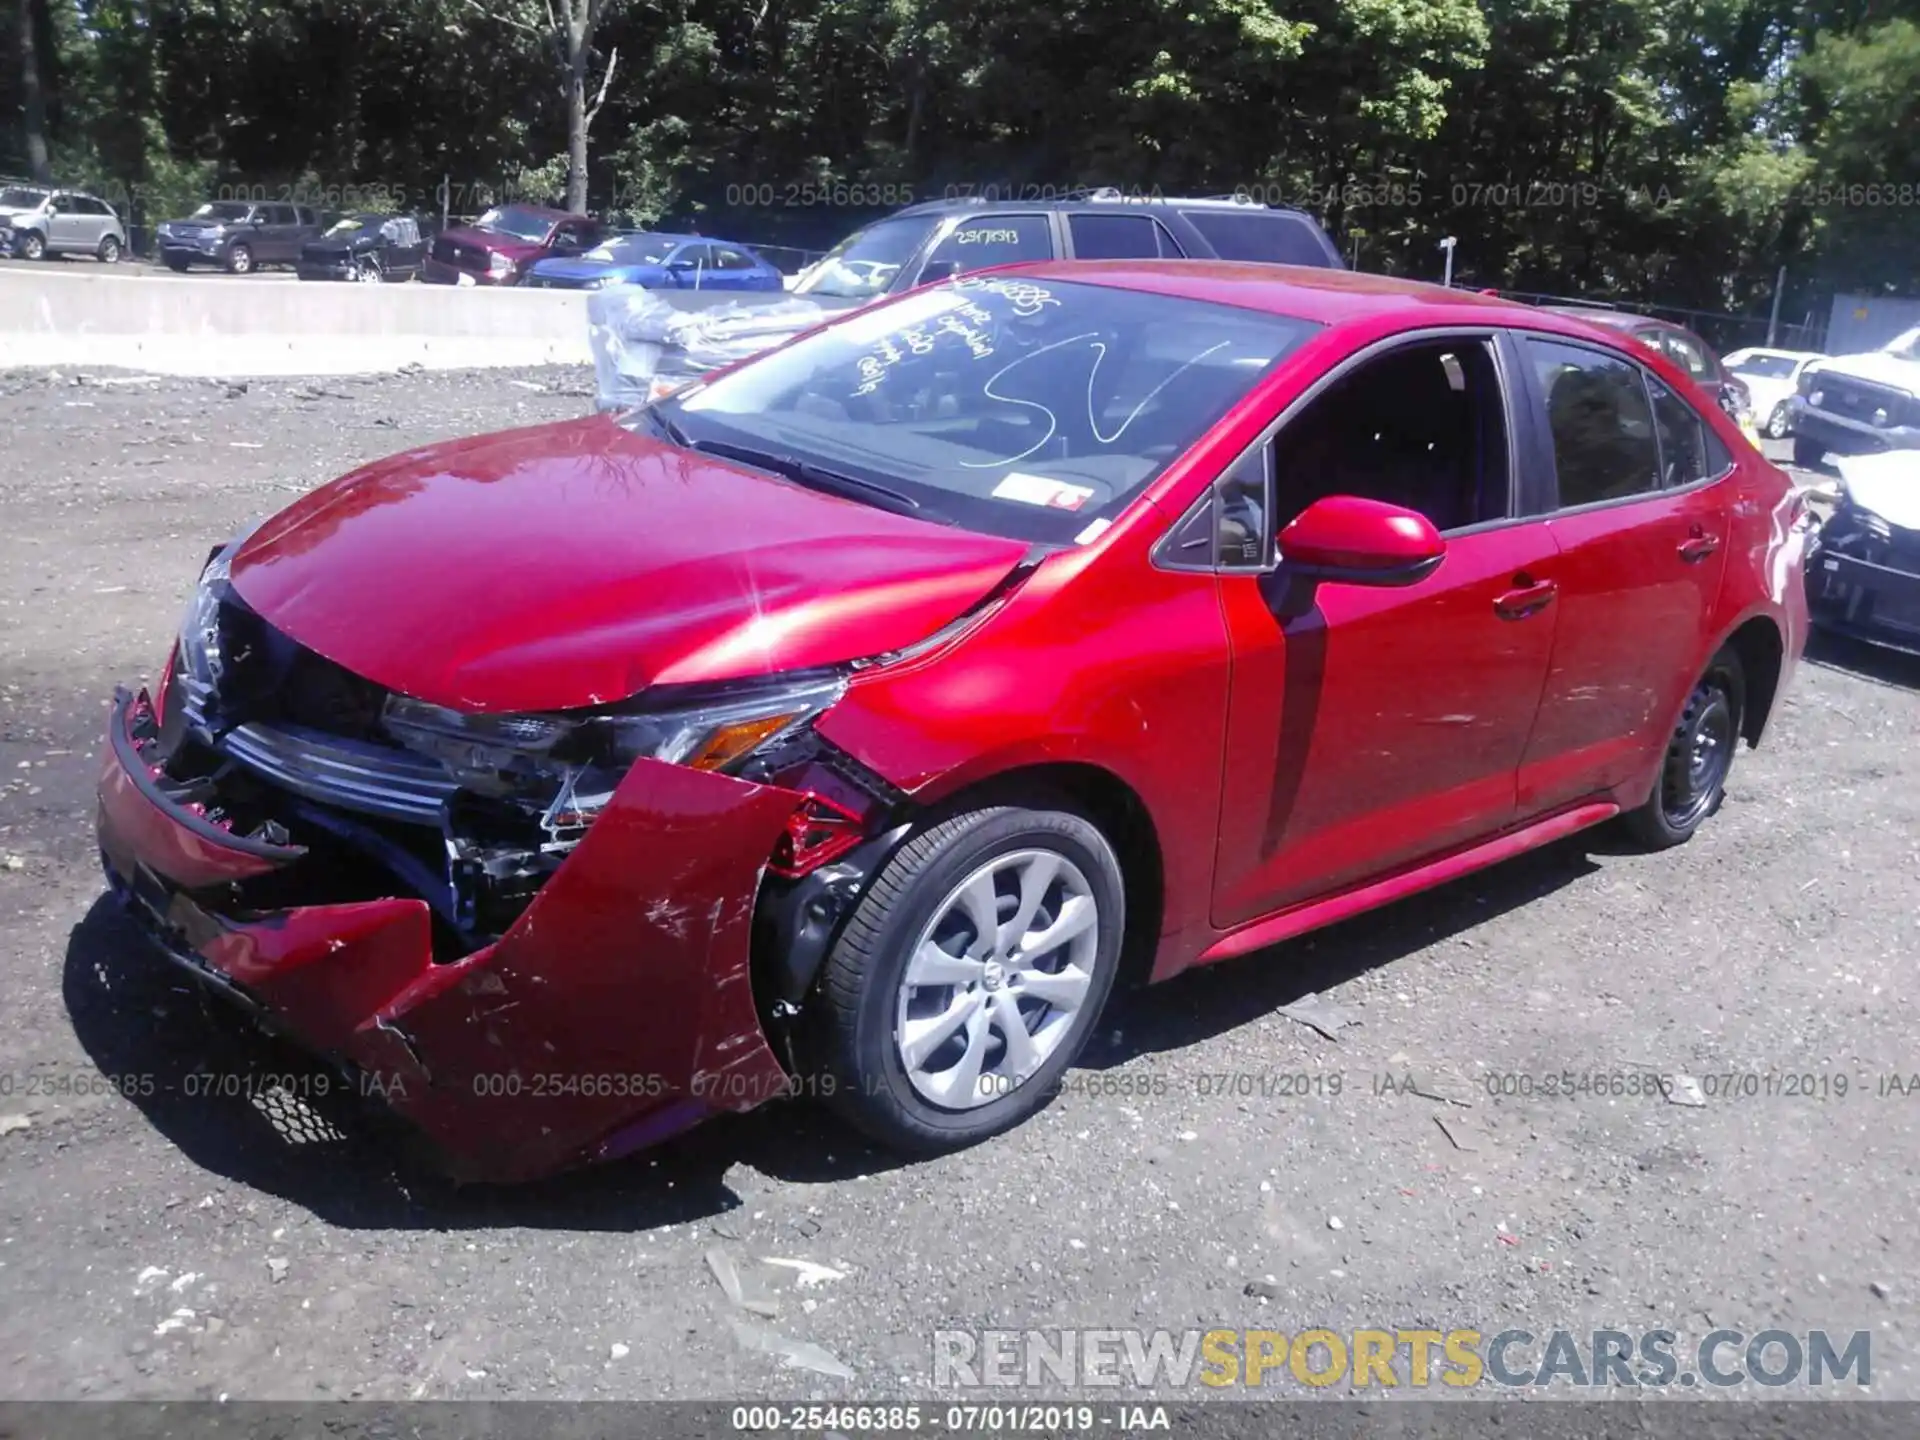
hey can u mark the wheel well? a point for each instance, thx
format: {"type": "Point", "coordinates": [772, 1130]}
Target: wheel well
{"type": "Point", "coordinates": [1758, 645]}
{"type": "Point", "coordinates": [1112, 805]}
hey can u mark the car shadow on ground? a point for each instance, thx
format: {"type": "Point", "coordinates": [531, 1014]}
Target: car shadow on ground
{"type": "Point", "coordinates": [1216, 998]}
{"type": "Point", "coordinates": [264, 1114]}
{"type": "Point", "coordinates": [1863, 661]}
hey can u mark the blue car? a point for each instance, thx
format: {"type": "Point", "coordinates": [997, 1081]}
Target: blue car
{"type": "Point", "coordinates": [659, 262]}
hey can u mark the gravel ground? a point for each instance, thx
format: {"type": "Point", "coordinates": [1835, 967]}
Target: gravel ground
{"type": "Point", "coordinates": [166, 1243]}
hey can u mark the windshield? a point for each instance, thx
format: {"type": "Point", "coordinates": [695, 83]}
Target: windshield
{"type": "Point", "coordinates": [1030, 410]}
{"type": "Point", "coordinates": [521, 224]}
{"type": "Point", "coordinates": [18, 199]}
{"type": "Point", "coordinates": [1766, 367]}
{"type": "Point", "coordinates": [1905, 347]}
{"type": "Point", "coordinates": [632, 250]}
{"type": "Point", "coordinates": [863, 265]}
{"type": "Point", "coordinates": [221, 210]}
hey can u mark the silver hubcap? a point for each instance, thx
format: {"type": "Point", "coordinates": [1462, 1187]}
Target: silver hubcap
{"type": "Point", "coordinates": [997, 978]}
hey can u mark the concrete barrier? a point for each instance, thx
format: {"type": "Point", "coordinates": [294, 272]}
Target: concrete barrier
{"type": "Point", "coordinates": [220, 325]}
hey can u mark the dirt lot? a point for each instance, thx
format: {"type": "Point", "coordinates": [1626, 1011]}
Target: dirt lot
{"type": "Point", "coordinates": [173, 1242]}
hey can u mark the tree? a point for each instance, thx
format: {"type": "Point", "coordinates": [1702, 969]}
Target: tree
{"type": "Point", "coordinates": [565, 29]}
{"type": "Point", "coordinates": [33, 101]}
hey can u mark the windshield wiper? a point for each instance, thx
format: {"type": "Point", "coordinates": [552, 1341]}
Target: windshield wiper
{"type": "Point", "coordinates": [818, 477]}
{"type": "Point", "coordinates": [666, 427]}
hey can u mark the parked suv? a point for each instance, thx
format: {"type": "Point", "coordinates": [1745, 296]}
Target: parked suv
{"type": "Point", "coordinates": [238, 236]}
{"type": "Point", "coordinates": [943, 238]}
{"type": "Point", "coordinates": [37, 222]}
{"type": "Point", "coordinates": [1859, 404]}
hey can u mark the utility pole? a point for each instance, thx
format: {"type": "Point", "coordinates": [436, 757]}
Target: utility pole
{"type": "Point", "coordinates": [1447, 245]}
{"type": "Point", "coordinates": [1773, 320]}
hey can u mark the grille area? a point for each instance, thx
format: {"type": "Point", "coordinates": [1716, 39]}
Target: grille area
{"type": "Point", "coordinates": [1860, 399]}
{"type": "Point", "coordinates": [372, 779]}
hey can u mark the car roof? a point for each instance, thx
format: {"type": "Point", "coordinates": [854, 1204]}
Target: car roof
{"type": "Point", "coordinates": [1769, 352]}
{"type": "Point", "coordinates": [1302, 292]}
{"type": "Point", "coordinates": [1096, 199]}
{"type": "Point", "coordinates": [546, 211]}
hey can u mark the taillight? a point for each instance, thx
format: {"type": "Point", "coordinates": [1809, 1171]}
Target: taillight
{"type": "Point", "coordinates": [817, 833]}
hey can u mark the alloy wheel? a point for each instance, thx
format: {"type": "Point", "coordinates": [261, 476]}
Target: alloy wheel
{"type": "Point", "coordinates": [240, 260]}
{"type": "Point", "coordinates": [996, 979]}
{"type": "Point", "coordinates": [368, 273]}
{"type": "Point", "coordinates": [32, 247]}
{"type": "Point", "coordinates": [109, 251]}
{"type": "Point", "coordinates": [1777, 422]}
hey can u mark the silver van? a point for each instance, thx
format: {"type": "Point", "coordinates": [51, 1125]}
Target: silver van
{"type": "Point", "coordinates": [36, 222]}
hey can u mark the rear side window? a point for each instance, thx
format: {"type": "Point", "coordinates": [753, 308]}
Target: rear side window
{"type": "Point", "coordinates": [280, 215]}
{"type": "Point", "coordinates": [990, 240]}
{"type": "Point", "coordinates": [1687, 354]}
{"type": "Point", "coordinates": [1264, 235]}
{"type": "Point", "coordinates": [1119, 237]}
{"type": "Point", "coordinates": [1601, 422]}
{"type": "Point", "coordinates": [727, 258]}
{"type": "Point", "coordinates": [1683, 439]}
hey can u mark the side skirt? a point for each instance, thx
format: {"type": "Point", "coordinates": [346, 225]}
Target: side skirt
{"type": "Point", "coordinates": [1312, 914]}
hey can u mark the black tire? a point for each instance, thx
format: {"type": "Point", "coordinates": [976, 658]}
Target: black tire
{"type": "Point", "coordinates": [30, 246]}
{"type": "Point", "coordinates": [239, 260]}
{"type": "Point", "coordinates": [851, 1039]}
{"type": "Point", "coordinates": [1777, 422]}
{"type": "Point", "coordinates": [1699, 757]}
{"type": "Point", "coordinates": [179, 267]}
{"type": "Point", "coordinates": [109, 251]}
{"type": "Point", "coordinates": [1808, 454]}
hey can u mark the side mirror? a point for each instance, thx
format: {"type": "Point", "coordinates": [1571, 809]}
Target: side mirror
{"type": "Point", "coordinates": [1344, 539]}
{"type": "Point", "coordinates": [258, 220]}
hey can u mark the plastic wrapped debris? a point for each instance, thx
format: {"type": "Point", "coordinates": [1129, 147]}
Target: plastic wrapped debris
{"type": "Point", "coordinates": [645, 347]}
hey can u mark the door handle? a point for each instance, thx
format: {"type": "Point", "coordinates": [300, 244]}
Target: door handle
{"type": "Point", "coordinates": [1528, 597]}
{"type": "Point", "coordinates": [1696, 548]}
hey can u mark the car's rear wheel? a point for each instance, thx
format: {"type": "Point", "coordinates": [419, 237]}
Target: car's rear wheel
{"type": "Point", "coordinates": [31, 246]}
{"type": "Point", "coordinates": [1777, 422]}
{"type": "Point", "coordinates": [970, 976]}
{"type": "Point", "coordinates": [1807, 454]}
{"type": "Point", "coordinates": [1698, 759]}
{"type": "Point", "coordinates": [109, 251]}
{"type": "Point", "coordinates": [240, 260]}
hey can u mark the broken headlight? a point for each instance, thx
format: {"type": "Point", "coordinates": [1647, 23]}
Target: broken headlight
{"type": "Point", "coordinates": [572, 761]}
{"type": "Point", "coordinates": [533, 784]}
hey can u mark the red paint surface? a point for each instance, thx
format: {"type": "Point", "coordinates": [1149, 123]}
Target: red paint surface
{"type": "Point", "coordinates": [577, 563]}
{"type": "Point", "coordinates": [1345, 532]}
{"type": "Point", "coordinates": [1288, 769]}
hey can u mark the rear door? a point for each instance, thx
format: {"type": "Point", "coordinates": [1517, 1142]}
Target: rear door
{"type": "Point", "coordinates": [280, 240]}
{"type": "Point", "coordinates": [1639, 490]}
{"type": "Point", "coordinates": [1106, 235]}
{"type": "Point", "coordinates": [733, 269]}
{"type": "Point", "coordinates": [691, 266]}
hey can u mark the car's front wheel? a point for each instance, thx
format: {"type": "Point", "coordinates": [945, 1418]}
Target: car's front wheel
{"type": "Point", "coordinates": [31, 246]}
{"type": "Point", "coordinates": [240, 260]}
{"type": "Point", "coordinates": [969, 977]}
{"type": "Point", "coordinates": [1698, 759]}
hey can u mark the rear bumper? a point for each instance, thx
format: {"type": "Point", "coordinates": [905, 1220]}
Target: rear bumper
{"type": "Point", "coordinates": [1870, 602]}
{"type": "Point", "coordinates": [616, 1011]}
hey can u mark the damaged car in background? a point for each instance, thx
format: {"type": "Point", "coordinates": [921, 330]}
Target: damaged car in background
{"type": "Point", "coordinates": [1863, 571]}
{"type": "Point", "coordinates": [852, 723]}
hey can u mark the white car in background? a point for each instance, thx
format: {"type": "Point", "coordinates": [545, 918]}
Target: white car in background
{"type": "Point", "coordinates": [1772, 377]}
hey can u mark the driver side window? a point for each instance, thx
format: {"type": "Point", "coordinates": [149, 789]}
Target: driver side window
{"type": "Point", "coordinates": [1422, 427]}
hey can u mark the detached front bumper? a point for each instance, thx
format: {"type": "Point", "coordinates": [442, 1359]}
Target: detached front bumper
{"type": "Point", "coordinates": [617, 1010]}
{"type": "Point", "coordinates": [1874, 602]}
{"type": "Point", "coordinates": [1843, 436]}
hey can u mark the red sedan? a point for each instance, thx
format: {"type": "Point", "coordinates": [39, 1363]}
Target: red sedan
{"type": "Point", "coordinates": [848, 725]}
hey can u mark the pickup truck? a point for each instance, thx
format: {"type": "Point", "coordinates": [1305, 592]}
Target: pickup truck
{"type": "Point", "coordinates": [1859, 404]}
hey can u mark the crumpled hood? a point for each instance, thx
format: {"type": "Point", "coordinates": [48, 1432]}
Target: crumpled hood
{"type": "Point", "coordinates": [577, 563]}
{"type": "Point", "coordinates": [1887, 484]}
{"type": "Point", "coordinates": [1876, 366]}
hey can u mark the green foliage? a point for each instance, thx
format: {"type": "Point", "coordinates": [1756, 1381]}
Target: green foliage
{"type": "Point", "coordinates": [1674, 149]}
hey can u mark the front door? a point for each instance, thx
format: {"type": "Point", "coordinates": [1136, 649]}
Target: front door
{"type": "Point", "coordinates": [1384, 727]}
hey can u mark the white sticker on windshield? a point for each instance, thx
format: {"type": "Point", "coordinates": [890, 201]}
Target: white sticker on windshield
{"type": "Point", "coordinates": [1039, 490]}
{"type": "Point", "coordinates": [1093, 532]}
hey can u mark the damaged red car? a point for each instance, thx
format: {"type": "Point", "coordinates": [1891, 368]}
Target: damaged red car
{"type": "Point", "coordinates": [852, 723]}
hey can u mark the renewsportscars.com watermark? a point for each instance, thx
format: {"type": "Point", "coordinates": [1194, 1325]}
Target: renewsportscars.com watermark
{"type": "Point", "coordinates": [1369, 1359]}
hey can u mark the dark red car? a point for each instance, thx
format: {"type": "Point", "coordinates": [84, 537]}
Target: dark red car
{"type": "Point", "coordinates": [849, 724]}
{"type": "Point", "coordinates": [499, 247]}
{"type": "Point", "coordinates": [1705, 370]}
